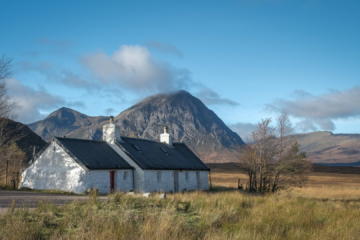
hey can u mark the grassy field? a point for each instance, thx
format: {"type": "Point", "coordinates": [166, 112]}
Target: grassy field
{"type": "Point", "coordinates": [327, 207]}
{"type": "Point", "coordinates": [324, 182]}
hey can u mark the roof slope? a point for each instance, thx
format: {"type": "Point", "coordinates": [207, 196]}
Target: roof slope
{"type": "Point", "coordinates": [93, 154]}
{"type": "Point", "coordinates": [151, 156]}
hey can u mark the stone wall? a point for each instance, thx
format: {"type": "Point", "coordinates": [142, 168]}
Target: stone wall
{"type": "Point", "coordinates": [55, 169]}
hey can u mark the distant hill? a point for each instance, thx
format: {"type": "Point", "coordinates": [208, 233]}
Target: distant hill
{"type": "Point", "coordinates": [61, 122]}
{"type": "Point", "coordinates": [188, 119]}
{"type": "Point", "coordinates": [191, 122]}
{"type": "Point", "coordinates": [26, 139]}
{"type": "Point", "coordinates": [331, 149]}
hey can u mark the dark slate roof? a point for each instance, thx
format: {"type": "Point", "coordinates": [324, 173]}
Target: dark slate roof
{"type": "Point", "coordinates": [151, 156]}
{"type": "Point", "coordinates": [93, 154]}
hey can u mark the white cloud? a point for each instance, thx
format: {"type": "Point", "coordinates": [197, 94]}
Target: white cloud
{"type": "Point", "coordinates": [134, 68]}
{"type": "Point", "coordinates": [209, 97]}
{"type": "Point", "coordinates": [34, 102]}
{"type": "Point", "coordinates": [243, 129]}
{"type": "Point", "coordinates": [131, 69]}
{"type": "Point", "coordinates": [320, 111]}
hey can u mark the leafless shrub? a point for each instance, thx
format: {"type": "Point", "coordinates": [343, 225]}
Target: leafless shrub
{"type": "Point", "coordinates": [272, 159]}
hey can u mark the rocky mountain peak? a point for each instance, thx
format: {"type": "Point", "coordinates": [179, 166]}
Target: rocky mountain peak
{"type": "Point", "coordinates": [187, 118]}
{"type": "Point", "coordinates": [63, 121]}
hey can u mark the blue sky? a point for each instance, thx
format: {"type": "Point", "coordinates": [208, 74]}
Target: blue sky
{"type": "Point", "coordinates": [245, 59]}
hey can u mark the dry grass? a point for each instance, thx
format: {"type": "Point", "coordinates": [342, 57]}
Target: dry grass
{"type": "Point", "coordinates": [323, 183]}
{"type": "Point", "coordinates": [196, 215]}
{"type": "Point", "coordinates": [327, 207]}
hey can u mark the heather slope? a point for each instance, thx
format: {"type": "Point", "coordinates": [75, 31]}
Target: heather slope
{"type": "Point", "coordinates": [326, 147]}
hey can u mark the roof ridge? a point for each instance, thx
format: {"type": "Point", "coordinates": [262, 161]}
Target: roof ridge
{"type": "Point", "coordinates": [80, 139]}
{"type": "Point", "coordinates": [149, 140]}
{"type": "Point", "coordinates": [144, 139]}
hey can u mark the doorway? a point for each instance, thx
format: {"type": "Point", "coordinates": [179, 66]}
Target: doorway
{"type": "Point", "coordinates": [112, 181]}
{"type": "Point", "coordinates": [198, 180]}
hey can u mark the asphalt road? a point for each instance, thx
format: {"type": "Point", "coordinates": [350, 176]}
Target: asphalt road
{"type": "Point", "coordinates": [31, 199]}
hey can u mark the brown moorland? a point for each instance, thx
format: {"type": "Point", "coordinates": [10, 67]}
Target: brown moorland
{"type": "Point", "coordinates": [324, 182]}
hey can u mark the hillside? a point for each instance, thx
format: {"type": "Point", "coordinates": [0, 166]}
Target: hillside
{"type": "Point", "coordinates": [61, 122]}
{"type": "Point", "coordinates": [188, 119]}
{"type": "Point", "coordinates": [26, 139]}
{"type": "Point", "coordinates": [326, 147]}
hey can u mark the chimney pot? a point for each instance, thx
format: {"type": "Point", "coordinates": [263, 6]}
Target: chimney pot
{"type": "Point", "coordinates": [111, 132]}
{"type": "Point", "coordinates": [166, 137]}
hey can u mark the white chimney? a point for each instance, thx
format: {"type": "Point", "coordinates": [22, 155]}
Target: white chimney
{"type": "Point", "coordinates": [111, 131]}
{"type": "Point", "coordinates": [166, 137]}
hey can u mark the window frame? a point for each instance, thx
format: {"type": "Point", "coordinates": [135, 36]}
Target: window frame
{"type": "Point", "coordinates": [187, 177]}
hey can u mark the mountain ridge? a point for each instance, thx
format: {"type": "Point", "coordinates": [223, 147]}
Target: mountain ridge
{"type": "Point", "coordinates": [325, 147]}
{"type": "Point", "coordinates": [26, 139]}
{"type": "Point", "coordinates": [191, 122]}
{"type": "Point", "coordinates": [61, 122]}
{"type": "Point", "coordinates": [187, 118]}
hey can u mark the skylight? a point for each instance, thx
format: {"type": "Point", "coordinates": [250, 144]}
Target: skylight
{"type": "Point", "coordinates": [137, 148]}
{"type": "Point", "coordinates": [164, 150]}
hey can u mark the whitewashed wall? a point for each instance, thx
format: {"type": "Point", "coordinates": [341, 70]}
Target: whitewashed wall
{"type": "Point", "coordinates": [122, 185]}
{"type": "Point", "coordinates": [167, 181]}
{"type": "Point", "coordinates": [139, 173]}
{"type": "Point", "coordinates": [204, 180]}
{"type": "Point", "coordinates": [165, 185]}
{"type": "Point", "coordinates": [57, 170]}
{"type": "Point", "coordinates": [54, 169]}
{"type": "Point", "coordinates": [191, 184]}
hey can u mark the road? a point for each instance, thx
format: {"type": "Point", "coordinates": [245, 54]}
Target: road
{"type": "Point", "coordinates": [31, 199]}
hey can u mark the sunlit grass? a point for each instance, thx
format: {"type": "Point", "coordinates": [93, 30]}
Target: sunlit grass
{"type": "Point", "coordinates": [326, 207]}
{"type": "Point", "coordinates": [195, 215]}
{"type": "Point", "coordinates": [319, 185]}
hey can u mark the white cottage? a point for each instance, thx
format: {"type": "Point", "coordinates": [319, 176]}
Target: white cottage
{"type": "Point", "coordinates": [116, 163]}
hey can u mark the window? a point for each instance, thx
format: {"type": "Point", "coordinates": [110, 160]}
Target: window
{"type": "Point", "coordinates": [164, 150]}
{"type": "Point", "coordinates": [137, 148]}
{"type": "Point", "coordinates": [187, 176]}
{"type": "Point", "coordinates": [125, 175]}
{"type": "Point", "coordinates": [159, 176]}
{"type": "Point", "coordinates": [198, 180]}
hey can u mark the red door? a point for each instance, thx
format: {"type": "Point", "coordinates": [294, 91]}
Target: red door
{"type": "Point", "coordinates": [112, 182]}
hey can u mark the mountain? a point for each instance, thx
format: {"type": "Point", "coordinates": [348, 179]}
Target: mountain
{"type": "Point", "coordinates": [188, 119]}
{"type": "Point", "coordinates": [63, 121]}
{"type": "Point", "coordinates": [25, 138]}
{"type": "Point", "coordinates": [331, 149]}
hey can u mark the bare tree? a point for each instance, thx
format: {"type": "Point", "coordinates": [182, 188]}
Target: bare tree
{"type": "Point", "coordinates": [13, 159]}
{"type": "Point", "coordinates": [9, 132]}
{"type": "Point", "coordinates": [7, 108]}
{"type": "Point", "coordinates": [272, 158]}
